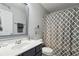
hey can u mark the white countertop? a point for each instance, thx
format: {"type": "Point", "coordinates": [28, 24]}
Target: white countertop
{"type": "Point", "coordinates": [8, 51]}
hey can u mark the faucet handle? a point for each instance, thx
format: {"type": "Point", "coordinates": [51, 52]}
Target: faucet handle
{"type": "Point", "coordinates": [29, 37]}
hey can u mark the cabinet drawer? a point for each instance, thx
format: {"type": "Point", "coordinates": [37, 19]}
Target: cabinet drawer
{"type": "Point", "coordinates": [29, 53]}
{"type": "Point", "coordinates": [38, 48]}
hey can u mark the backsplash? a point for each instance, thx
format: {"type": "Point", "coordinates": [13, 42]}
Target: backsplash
{"type": "Point", "coordinates": [12, 37]}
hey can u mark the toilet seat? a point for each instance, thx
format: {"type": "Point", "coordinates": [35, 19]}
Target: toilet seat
{"type": "Point", "coordinates": [47, 51]}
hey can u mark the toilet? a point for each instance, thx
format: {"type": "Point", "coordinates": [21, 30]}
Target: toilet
{"type": "Point", "coordinates": [46, 51]}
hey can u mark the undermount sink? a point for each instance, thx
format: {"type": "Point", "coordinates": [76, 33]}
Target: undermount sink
{"type": "Point", "coordinates": [19, 46]}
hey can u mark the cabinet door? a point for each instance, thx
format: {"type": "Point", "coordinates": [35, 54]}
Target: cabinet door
{"type": "Point", "coordinates": [29, 53]}
{"type": "Point", "coordinates": [38, 48]}
{"type": "Point", "coordinates": [6, 22]}
{"type": "Point", "coordinates": [39, 53]}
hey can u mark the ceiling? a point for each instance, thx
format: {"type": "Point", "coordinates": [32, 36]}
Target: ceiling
{"type": "Point", "coordinates": [57, 6]}
{"type": "Point", "coordinates": [48, 6]}
{"type": "Point", "coordinates": [21, 6]}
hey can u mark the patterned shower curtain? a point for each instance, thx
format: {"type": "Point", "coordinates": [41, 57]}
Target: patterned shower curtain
{"type": "Point", "coordinates": [61, 31]}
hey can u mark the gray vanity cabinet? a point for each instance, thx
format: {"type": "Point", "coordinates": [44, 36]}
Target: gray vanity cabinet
{"type": "Point", "coordinates": [36, 51]}
{"type": "Point", "coordinates": [31, 52]}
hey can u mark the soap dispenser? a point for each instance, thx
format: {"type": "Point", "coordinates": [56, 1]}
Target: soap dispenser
{"type": "Point", "coordinates": [37, 32]}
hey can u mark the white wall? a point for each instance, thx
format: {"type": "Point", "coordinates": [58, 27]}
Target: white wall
{"type": "Point", "coordinates": [36, 12]}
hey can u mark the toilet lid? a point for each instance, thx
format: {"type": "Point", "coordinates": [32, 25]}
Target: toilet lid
{"type": "Point", "coordinates": [47, 50]}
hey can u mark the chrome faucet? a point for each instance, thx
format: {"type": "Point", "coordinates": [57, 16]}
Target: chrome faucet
{"type": "Point", "coordinates": [18, 42]}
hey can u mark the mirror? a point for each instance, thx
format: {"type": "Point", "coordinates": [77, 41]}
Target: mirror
{"type": "Point", "coordinates": [6, 22]}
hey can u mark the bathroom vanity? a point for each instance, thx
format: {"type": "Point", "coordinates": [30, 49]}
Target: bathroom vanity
{"type": "Point", "coordinates": [36, 51]}
{"type": "Point", "coordinates": [24, 48]}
